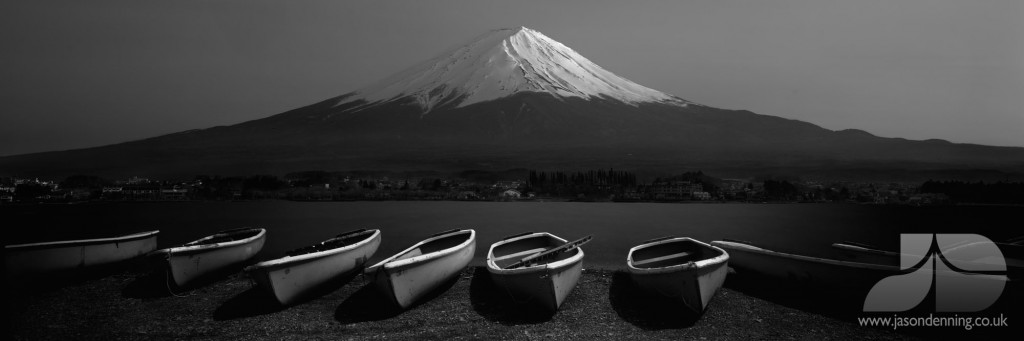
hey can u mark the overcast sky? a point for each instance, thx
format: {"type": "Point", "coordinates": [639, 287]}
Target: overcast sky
{"type": "Point", "coordinates": [79, 74]}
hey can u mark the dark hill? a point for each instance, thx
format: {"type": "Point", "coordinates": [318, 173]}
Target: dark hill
{"type": "Point", "coordinates": [526, 130]}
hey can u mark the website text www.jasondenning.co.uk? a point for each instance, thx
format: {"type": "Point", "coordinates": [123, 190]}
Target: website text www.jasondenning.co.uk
{"type": "Point", "coordinates": [966, 322]}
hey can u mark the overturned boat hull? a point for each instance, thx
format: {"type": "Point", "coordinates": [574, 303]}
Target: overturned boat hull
{"type": "Point", "coordinates": [294, 277]}
{"type": "Point", "coordinates": [544, 285]}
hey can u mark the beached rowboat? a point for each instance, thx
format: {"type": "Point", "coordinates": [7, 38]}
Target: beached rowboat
{"type": "Point", "coordinates": [543, 284]}
{"type": "Point", "coordinates": [55, 257]}
{"type": "Point", "coordinates": [303, 270]}
{"type": "Point", "coordinates": [969, 255]}
{"type": "Point", "coordinates": [196, 259]}
{"type": "Point", "coordinates": [887, 287]}
{"type": "Point", "coordinates": [683, 269]}
{"type": "Point", "coordinates": [747, 258]}
{"type": "Point", "coordinates": [408, 275]}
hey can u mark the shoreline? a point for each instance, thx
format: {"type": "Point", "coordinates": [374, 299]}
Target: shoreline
{"type": "Point", "coordinates": [102, 202]}
{"type": "Point", "coordinates": [133, 305]}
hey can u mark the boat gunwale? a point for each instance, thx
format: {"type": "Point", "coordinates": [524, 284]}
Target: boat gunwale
{"type": "Point", "coordinates": [739, 246]}
{"type": "Point", "coordinates": [1003, 247]}
{"type": "Point", "coordinates": [896, 256]}
{"type": "Point", "coordinates": [390, 262]}
{"type": "Point", "coordinates": [868, 249]}
{"type": "Point", "coordinates": [862, 248]}
{"type": "Point", "coordinates": [707, 263]}
{"type": "Point", "coordinates": [185, 248]}
{"type": "Point", "coordinates": [270, 265]}
{"type": "Point", "coordinates": [82, 242]}
{"type": "Point", "coordinates": [493, 267]}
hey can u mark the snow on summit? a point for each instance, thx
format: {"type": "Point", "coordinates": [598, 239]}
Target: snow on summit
{"type": "Point", "coordinates": [504, 62]}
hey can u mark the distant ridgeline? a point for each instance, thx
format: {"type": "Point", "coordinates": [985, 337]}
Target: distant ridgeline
{"type": "Point", "coordinates": [514, 184]}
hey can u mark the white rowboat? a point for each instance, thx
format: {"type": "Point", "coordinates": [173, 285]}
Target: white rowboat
{"type": "Point", "coordinates": [682, 269]}
{"type": "Point", "coordinates": [60, 256]}
{"type": "Point", "coordinates": [545, 284]}
{"type": "Point", "coordinates": [407, 276]}
{"type": "Point", "coordinates": [292, 277]}
{"type": "Point", "coordinates": [210, 254]}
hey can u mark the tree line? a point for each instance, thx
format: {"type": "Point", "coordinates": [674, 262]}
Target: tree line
{"type": "Point", "coordinates": [599, 177]}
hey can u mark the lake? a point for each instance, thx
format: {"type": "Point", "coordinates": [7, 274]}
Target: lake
{"type": "Point", "coordinates": [803, 228]}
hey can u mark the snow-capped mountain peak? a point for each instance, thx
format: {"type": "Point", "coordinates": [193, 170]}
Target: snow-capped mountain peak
{"type": "Point", "coordinates": [504, 62]}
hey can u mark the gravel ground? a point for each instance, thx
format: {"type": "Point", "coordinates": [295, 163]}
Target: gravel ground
{"type": "Point", "coordinates": [133, 304]}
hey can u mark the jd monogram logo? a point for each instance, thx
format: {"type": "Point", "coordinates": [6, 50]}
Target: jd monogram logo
{"type": "Point", "coordinates": [967, 269]}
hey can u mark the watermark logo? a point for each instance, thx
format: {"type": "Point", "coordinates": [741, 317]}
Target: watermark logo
{"type": "Point", "coordinates": [966, 270]}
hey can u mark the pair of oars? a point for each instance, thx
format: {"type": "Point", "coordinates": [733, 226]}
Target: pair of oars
{"type": "Point", "coordinates": [548, 254]}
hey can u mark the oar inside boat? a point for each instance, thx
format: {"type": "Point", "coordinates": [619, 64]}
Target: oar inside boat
{"type": "Point", "coordinates": [517, 235]}
{"type": "Point", "coordinates": [551, 253]}
{"type": "Point", "coordinates": [546, 277]}
{"type": "Point", "coordinates": [656, 240]}
{"type": "Point", "coordinates": [662, 258]}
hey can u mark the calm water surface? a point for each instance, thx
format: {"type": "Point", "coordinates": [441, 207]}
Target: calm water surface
{"type": "Point", "coordinates": [802, 228]}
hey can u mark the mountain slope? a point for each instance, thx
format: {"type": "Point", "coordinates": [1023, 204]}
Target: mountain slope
{"type": "Point", "coordinates": [501, 63]}
{"type": "Point", "coordinates": [513, 99]}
